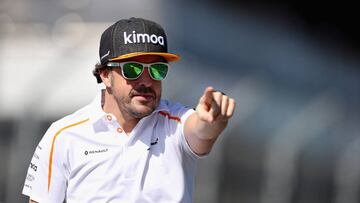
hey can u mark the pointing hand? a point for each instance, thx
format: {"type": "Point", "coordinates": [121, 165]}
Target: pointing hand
{"type": "Point", "coordinates": [214, 106]}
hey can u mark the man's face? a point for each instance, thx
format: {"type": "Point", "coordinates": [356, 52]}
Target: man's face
{"type": "Point", "coordinates": [137, 98]}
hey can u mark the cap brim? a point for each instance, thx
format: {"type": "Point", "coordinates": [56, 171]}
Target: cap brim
{"type": "Point", "coordinates": [168, 56]}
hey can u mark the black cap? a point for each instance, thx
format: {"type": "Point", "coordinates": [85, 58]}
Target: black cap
{"type": "Point", "coordinates": [133, 37]}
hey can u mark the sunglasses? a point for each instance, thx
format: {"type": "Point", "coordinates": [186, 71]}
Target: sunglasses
{"type": "Point", "coordinates": [132, 70]}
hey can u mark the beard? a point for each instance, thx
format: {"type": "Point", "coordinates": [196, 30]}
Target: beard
{"type": "Point", "coordinates": [135, 109]}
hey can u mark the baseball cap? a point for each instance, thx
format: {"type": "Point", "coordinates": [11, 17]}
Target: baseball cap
{"type": "Point", "coordinates": [134, 37]}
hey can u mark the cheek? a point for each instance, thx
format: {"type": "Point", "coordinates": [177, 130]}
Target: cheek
{"type": "Point", "coordinates": [158, 87]}
{"type": "Point", "coordinates": [120, 86]}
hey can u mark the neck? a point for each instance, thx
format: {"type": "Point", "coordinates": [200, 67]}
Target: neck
{"type": "Point", "coordinates": [126, 121]}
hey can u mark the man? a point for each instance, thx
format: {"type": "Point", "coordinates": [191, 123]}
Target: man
{"type": "Point", "coordinates": [128, 145]}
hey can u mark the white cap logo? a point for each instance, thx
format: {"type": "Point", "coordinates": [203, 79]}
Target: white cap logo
{"type": "Point", "coordinates": [143, 38]}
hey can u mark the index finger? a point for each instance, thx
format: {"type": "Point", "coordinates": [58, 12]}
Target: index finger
{"type": "Point", "coordinates": [207, 96]}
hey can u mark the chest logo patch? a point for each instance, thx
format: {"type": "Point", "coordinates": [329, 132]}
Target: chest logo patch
{"type": "Point", "coordinates": [88, 152]}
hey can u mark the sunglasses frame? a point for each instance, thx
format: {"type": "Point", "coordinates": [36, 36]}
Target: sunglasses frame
{"type": "Point", "coordinates": [145, 65]}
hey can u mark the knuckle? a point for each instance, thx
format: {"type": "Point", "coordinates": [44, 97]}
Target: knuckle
{"type": "Point", "coordinates": [217, 94]}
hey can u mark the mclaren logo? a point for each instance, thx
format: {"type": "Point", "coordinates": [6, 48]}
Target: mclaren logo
{"type": "Point", "coordinates": [153, 143]}
{"type": "Point", "coordinates": [143, 38]}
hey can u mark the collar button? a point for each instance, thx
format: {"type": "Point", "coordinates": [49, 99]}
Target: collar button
{"type": "Point", "coordinates": [108, 117]}
{"type": "Point", "coordinates": [119, 130]}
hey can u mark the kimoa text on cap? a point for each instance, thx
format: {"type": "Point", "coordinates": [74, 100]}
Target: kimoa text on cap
{"type": "Point", "coordinates": [143, 38]}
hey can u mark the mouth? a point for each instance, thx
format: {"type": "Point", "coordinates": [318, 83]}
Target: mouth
{"type": "Point", "coordinates": [143, 94]}
{"type": "Point", "coordinates": [144, 97]}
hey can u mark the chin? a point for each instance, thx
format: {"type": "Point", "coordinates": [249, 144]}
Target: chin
{"type": "Point", "coordinates": [140, 111]}
{"type": "Point", "coordinates": [145, 105]}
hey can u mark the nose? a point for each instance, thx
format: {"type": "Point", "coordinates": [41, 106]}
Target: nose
{"type": "Point", "coordinates": [145, 78]}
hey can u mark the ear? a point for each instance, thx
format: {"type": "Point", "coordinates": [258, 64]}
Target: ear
{"type": "Point", "coordinates": [106, 77]}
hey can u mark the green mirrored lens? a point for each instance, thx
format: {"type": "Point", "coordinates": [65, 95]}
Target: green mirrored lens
{"type": "Point", "coordinates": [132, 70]}
{"type": "Point", "coordinates": [158, 71]}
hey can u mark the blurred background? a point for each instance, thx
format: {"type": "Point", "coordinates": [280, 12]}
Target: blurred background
{"type": "Point", "coordinates": [292, 66]}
